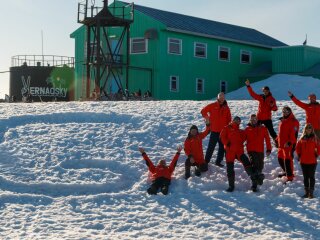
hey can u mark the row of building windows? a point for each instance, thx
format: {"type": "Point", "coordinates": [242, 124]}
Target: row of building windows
{"type": "Point", "coordinates": [199, 85]}
{"type": "Point", "coordinates": [140, 45]}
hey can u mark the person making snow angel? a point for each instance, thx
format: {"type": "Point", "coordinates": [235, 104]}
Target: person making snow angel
{"type": "Point", "coordinates": [233, 138]}
{"type": "Point", "coordinates": [161, 173]}
{"type": "Point", "coordinates": [267, 103]}
{"type": "Point", "coordinates": [194, 152]}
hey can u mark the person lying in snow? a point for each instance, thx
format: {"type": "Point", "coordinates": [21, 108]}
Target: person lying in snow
{"type": "Point", "coordinates": [160, 174]}
{"type": "Point", "coordinates": [194, 152]}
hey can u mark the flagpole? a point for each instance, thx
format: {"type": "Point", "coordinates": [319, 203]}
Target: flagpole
{"type": "Point", "coordinates": [42, 48]}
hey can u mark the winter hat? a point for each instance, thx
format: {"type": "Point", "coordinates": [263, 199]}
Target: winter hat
{"type": "Point", "coordinates": [194, 127]}
{"type": "Point", "coordinates": [287, 108]}
{"type": "Point", "coordinates": [236, 119]}
{"type": "Point", "coordinates": [312, 97]}
{"type": "Point", "coordinates": [266, 88]}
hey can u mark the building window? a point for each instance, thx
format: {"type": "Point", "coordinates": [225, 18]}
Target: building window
{"type": "Point", "coordinates": [200, 50]}
{"type": "Point", "coordinates": [245, 57]}
{"type": "Point", "coordinates": [223, 86]}
{"type": "Point", "coordinates": [199, 85]}
{"type": "Point", "coordinates": [138, 45]}
{"type": "Point", "coordinates": [224, 54]}
{"type": "Point", "coordinates": [174, 84]}
{"type": "Point", "coordinates": [174, 46]}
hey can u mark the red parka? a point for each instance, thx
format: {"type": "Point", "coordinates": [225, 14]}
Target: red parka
{"type": "Point", "coordinates": [288, 131]}
{"type": "Point", "coordinates": [232, 138]}
{"type": "Point", "coordinates": [312, 112]}
{"type": "Point", "coordinates": [266, 104]}
{"type": "Point", "coordinates": [218, 114]}
{"type": "Point", "coordinates": [161, 171]}
{"type": "Point", "coordinates": [256, 136]}
{"type": "Point", "coordinates": [193, 146]}
{"type": "Point", "coordinates": [308, 149]}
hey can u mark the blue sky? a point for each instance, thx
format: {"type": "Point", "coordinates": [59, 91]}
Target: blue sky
{"type": "Point", "coordinates": [21, 23]}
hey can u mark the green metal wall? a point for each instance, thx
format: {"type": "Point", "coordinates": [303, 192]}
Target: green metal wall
{"type": "Point", "coordinates": [80, 71]}
{"type": "Point", "coordinates": [295, 59]}
{"type": "Point", "coordinates": [185, 66]}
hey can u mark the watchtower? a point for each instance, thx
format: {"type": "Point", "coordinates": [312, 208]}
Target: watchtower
{"type": "Point", "coordinates": [104, 59]}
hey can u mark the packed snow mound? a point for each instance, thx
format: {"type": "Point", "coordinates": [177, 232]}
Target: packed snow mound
{"type": "Point", "coordinates": [279, 86]}
{"type": "Point", "coordinates": [73, 171]}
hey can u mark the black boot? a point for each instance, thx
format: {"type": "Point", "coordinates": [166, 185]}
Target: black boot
{"type": "Point", "coordinates": [197, 171]}
{"type": "Point", "coordinates": [260, 178]}
{"type": "Point", "coordinates": [311, 193]}
{"type": "Point", "coordinates": [219, 164]}
{"type": "Point", "coordinates": [165, 190]}
{"type": "Point", "coordinates": [230, 189]}
{"type": "Point", "coordinates": [152, 190]}
{"type": "Point", "coordinates": [306, 194]}
{"type": "Point", "coordinates": [231, 180]}
{"type": "Point", "coordinates": [187, 169]}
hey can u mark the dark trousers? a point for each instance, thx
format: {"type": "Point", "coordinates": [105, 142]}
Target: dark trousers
{"type": "Point", "coordinates": [256, 158]}
{"type": "Point", "coordinates": [286, 166]}
{"type": "Point", "coordinates": [214, 139]}
{"type": "Point", "coordinates": [269, 125]}
{"type": "Point", "coordinates": [247, 166]}
{"type": "Point", "coordinates": [199, 168]}
{"type": "Point", "coordinates": [160, 182]}
{"type": "Point", "coordinates": [308, 171]}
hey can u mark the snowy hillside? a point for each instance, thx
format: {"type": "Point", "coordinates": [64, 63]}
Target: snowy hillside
{"type": "Point", "coordinates": [73, 171]}
{"type": "Point", "coordinates": [279, 85]}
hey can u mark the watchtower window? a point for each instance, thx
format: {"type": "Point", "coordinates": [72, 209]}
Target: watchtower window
{"type": "Point", "coordinates": [138, 45]}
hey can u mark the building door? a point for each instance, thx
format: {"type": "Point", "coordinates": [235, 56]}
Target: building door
{"type": "Point", "coordinates": [223, 86]}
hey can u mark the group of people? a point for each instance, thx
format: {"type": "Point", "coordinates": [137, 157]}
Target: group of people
{"type": "Point", "coordinates": [225, 131]}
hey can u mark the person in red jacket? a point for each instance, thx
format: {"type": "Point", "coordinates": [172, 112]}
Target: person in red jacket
{"type": "Point", "coordinates": [160, 174]}
{"type": "Point", "coordinates": [286, 140]}
{"type": "Point", "coordinates": [219, 115]}
{"type": "Point", "coordinates": [256, 136]}
{"type": "Point", "coordinates": [308, 150]}
{"type": "Point", "coordinates": [267, 103]}
{"type": "Point", "coordinates": [194, 152]}
{"type": "Point", "coordinates": [312, 110]}
{"type": "Point", "coordinates": [233, 138]}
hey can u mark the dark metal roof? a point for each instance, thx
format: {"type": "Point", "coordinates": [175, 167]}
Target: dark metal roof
{"type": "Point", "coordinates": [208, 28]}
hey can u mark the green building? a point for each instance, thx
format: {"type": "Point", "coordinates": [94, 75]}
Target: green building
{"type": "Point", "coordinates": [180, 57]}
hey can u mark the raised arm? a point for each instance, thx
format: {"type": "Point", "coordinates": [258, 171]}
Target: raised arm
{"type": "Point", "coordinates": [148, 161]}
{"type": "Point", "coordinates": [206, 131]}
{"type": "Point", "coordinates": [250, 90]}
{"type": "Point", "coordinates": [297, 101]}
{"type": "Point", "coordinates": [174, 161]}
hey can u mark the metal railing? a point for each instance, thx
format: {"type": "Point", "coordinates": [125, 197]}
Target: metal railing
{"type": "Point", "coordinates": [85, 11]}
{"type": "Point", "coordinates": [42, 61]}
